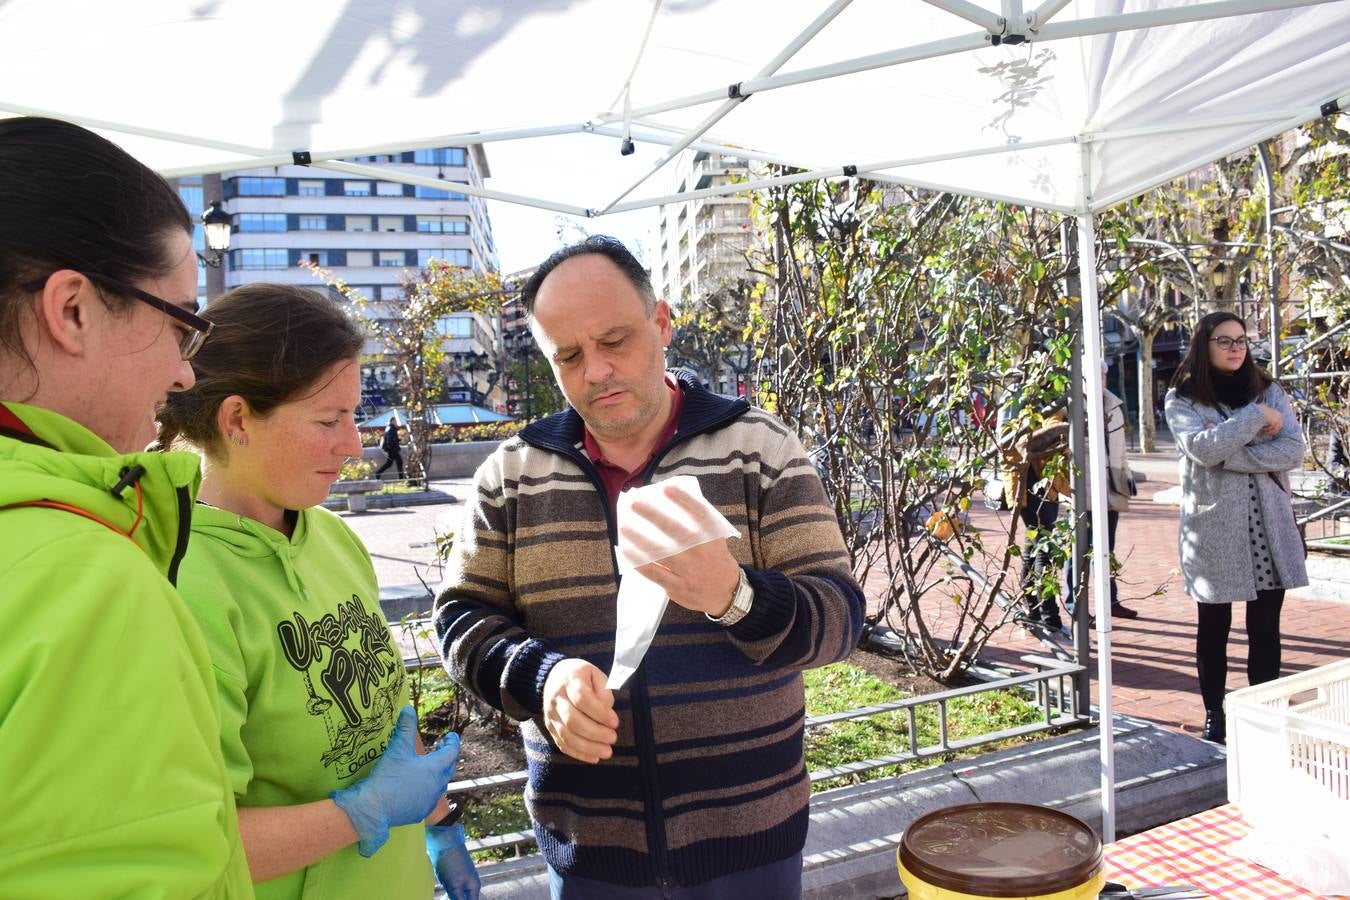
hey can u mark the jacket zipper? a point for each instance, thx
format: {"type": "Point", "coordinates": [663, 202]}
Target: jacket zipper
{"type": "Point", "coordinates": [184, 532]}
{"type": "Point", "coordinates": [643, 733]}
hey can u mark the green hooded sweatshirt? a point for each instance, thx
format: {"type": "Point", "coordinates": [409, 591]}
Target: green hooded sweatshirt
{"type": "Point", "coordinates": [111, 773]}
{"type": "Point", "coordinates": [309, 679]}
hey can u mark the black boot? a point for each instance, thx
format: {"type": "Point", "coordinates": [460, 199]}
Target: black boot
{"type": "Point", "coordinates": [1215, 727]}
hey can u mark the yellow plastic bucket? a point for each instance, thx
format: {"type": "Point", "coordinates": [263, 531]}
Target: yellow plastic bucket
{"type": "Point", "coordinates": [997, 851]}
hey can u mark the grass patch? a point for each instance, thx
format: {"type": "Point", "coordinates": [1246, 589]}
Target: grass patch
{"type": "Point", "coordinates": [396, 487]}
{"type": "Point", "coordinates": [834, 688]}
{"type": "Point", "coordinates": [842, 686]}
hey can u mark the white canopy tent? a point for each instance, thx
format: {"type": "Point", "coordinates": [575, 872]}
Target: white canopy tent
{"type": "Point", "coordinates": [1073, 106]}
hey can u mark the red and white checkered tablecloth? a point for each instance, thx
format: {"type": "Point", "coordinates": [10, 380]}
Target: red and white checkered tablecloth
{"type": "Point", "coordinates": [1195, 851]}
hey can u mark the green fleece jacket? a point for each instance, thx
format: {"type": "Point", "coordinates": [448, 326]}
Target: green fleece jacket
{"type": "Point", "coordinates": [111, 775]}
{"type": "Point", "coordinates": [309, 679]}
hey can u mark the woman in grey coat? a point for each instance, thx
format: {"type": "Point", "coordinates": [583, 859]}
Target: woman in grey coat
{"type": "Point", "coordinates": [1238, 439]}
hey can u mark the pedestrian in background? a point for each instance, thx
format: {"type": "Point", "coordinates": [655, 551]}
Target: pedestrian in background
{"type": "Point", "coordinates": [393, 449]}
{"type": "Point", "coordinates": [1238, 438]}
{"type": "Point", "coordinates": [1119, 489]}
{"type": "Point", "coordinates": [1033, 477]}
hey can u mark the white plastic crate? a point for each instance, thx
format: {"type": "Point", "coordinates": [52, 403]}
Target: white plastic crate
{"type": "Point", "coordinates": [1299, 723]}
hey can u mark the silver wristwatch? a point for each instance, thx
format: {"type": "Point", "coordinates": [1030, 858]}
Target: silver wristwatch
{"type": "Point", "coordinates": [740, 603]}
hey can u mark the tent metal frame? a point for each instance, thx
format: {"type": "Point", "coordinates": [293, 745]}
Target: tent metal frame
{"type": "Point", "coordinates": [1011, 25]}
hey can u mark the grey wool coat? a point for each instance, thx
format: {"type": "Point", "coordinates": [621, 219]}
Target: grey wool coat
{"type": "Point", "coordinates": [1219, 449]}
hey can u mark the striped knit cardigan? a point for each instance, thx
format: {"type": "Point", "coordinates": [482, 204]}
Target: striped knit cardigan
{"type": "Point", "coordinates": [708, 776]}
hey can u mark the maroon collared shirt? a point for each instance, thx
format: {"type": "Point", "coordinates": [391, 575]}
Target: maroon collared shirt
{"type": "Point", "coordinates": [616, 478]}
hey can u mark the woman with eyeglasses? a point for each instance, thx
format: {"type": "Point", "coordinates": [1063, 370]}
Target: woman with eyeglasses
{"type": "Point", "coordinates": [321, 745]}
{"type": "Point", "coordinates": [1238, 438]}
{"type": "Point", "coordinates": [110, 764]}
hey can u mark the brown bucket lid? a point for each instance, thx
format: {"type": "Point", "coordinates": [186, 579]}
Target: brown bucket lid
{"type": "Point", "coordinates": [1001, 849]}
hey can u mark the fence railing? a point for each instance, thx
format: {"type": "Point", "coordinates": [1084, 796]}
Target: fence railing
{"type": "Point", "coordinates": [1052, 687]}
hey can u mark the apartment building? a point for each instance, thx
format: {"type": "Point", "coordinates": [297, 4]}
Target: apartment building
{"type": "Point", "coordinates": [701, 244]}
{"type": "Point", "coordinates": [366, 231]}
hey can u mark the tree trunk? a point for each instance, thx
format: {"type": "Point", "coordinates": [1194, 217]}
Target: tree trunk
{"type": "Point", "coordinates": [1147, 428]}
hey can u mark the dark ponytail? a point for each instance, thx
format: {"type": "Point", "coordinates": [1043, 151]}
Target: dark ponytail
{"type": "Point", "coordinates": [70, 199]}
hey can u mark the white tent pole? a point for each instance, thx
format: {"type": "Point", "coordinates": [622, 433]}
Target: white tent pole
{"type": "Point", "coordinates": [347, 168]}
{"type": "Point", "coordinates": [1172, 15]}
{"type": "Point", "coordinates": [731, 103]}
{"type": "Point", "coordinates": [1243, 142]}
{"type": "Point", "coordinates": [124, 128]}
{"type": "Point", "coordinates": [722, 190]}
{"type": "Point", "coordinates": [944, 47]}
{"type": "Point", "coordinates": [871, 170]}
{"type": "Point", "coordinates": [979, 40]}
{"type": "Point", "coordinates": [1044, 13]}
{"type": "Point", "coordinates": [978, 15]}
{"type": "Point", "coordinates": [709, 146]}
{"type": "Point", "coordinates": [1096, 440]}
{"type": "Point", "coordinates": [978, 195]}
{"type": "Point", "coordinates": [441, 140]}
{"type": "Point", "coordinates": [1199, 124]}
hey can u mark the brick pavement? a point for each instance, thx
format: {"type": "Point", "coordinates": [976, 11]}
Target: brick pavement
{"type": "Point", "coordinates": [1152, 656]}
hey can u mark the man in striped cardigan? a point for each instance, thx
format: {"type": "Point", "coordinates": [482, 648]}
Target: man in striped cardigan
{"type": "Point", "coordinates": [690, 780]}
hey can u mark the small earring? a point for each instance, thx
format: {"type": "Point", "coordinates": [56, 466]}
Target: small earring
{"type": "Point", "coordinates": [239, 439]}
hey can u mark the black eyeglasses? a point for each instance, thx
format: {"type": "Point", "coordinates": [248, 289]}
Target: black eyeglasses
{"type": "Point", "coordinates": [188, 344]}
{"type": "Point", "coordinates": [1227, 343]}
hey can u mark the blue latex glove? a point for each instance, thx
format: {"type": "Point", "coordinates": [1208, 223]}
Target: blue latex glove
{"type": "Point", "coordinates": [450, 859]}
{"type": "Point", "coordinates": [402, 788]}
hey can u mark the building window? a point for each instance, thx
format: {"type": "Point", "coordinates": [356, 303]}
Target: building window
{"type": "Point", "coordinates": [441, 156]}
{"type": "Point", "coordinates": [443, 224]}
{"type": "Point", "coordinates": [358, 223]}
{"type": "Point", "coordinates": [426, 193]}
{"type": "Point", "coordinates": [356, 188]}
{"type": "Point", "coordinates": [263, 258]}
{"type": "Point", "coordinates": [310, 189]}
{"type": "Point", "coordinates": [359, 258]}
{"type": "Point", "coordinates": [315, 257]}
{"type": "Point", "coordinates": [253, 222]}
{"type": "Point", "coordinates": [313, 223]}
{"type": "Point", "coordinates": [391, 292]}
{"type": "Point", "coordinates": [392, 258]}
{"type": "Point", "coordinates": [261, 187]}
{"type": "Point", "coordinates": [389, 223]}
{"type": "Point", "coordinates": [455, 326]}
{"type": "Point", "coordinates": [388, 189]}
{"type": "Point", "coordinates": [459, 258]}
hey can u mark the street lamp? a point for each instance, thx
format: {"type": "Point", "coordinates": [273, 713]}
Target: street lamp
{"type": "Point", "coordinates": [216, 223]}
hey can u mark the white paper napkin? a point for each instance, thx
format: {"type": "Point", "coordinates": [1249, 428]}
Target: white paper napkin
{"type": "Point", "coordinates": [642, 602]}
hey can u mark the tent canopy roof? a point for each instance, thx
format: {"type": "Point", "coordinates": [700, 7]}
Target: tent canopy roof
{"type": "Point", "coordinates": [908, 90]}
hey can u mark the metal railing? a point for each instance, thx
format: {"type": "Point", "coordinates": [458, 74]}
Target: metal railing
{"type": "Point", "coordinates": [1051, 685]}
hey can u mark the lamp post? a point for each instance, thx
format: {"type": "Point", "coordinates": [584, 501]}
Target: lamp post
{"type": "Point", "coordinates": [216, 223]}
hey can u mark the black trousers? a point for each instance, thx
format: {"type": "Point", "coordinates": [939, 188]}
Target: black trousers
{"type": "Point", "coordinates": [395, 458]}
{"type": "Point", "coordinates": [1112, 520]}
{"type": "Point", "coordinates": [1038, 513]}
{"type": "Point", "coordinates": [1263, 644]}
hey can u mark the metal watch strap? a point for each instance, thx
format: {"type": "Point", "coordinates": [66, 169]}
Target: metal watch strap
{"type": "Point", "coordinates": [741, 600]}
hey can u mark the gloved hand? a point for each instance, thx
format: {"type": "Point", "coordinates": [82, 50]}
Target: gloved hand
{"type": "Point", "coordinates": [449, 857]}
{"type": "Point", "coordinates": [402, 788]}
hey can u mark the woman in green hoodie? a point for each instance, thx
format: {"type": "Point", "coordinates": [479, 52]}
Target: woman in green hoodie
{"type": "Point", "coordinates": [321, 747]}
{"type": "Point", "coordinates": [111, 772]}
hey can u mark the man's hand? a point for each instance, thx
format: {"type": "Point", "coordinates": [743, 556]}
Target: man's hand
{"type": "Point", "coordinates": [702, 578]}
{"type": "Point", "coordinates": [579, 711]}
{"type": "Point", "coordinates": [1274, 421]}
